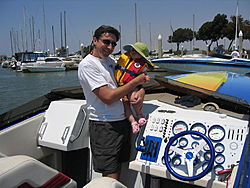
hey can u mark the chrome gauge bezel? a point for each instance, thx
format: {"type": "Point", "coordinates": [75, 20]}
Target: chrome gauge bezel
{"type": "Point", "coordinates": [180, 124]}
{"type": "Point", "coordinates": [199, 127]}
{"type": "Point", "coordinates": [216, 129]}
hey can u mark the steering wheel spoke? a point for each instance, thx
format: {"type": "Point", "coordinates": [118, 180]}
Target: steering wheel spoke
{"type": "Point", "coordinates": [190, 167]}
{"type": "Point", "coordinates": [177, 150]}
{"type": "Point", "coordinates": [200, 146]}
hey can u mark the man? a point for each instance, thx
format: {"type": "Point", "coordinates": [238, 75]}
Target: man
{"type": "Point", "coordinates": [109, 129]}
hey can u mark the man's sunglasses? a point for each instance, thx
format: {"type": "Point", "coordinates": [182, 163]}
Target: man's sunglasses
{"type": "Point", "coordinates": [108, 42]}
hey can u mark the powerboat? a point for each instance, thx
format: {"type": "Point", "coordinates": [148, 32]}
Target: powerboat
{"type": "Point", "coordinates": [215, 62]}
{"type": "Point", "coordinates": [25, 59]}
{"type": "Point", "coordinates": [45, 142]}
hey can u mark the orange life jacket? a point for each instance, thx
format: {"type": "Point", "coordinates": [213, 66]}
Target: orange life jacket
{"type": "Point", "coordinates": [126, 69]}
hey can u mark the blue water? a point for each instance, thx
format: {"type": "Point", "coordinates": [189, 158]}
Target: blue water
{"type": "Point", "coordinates": [17, 88]}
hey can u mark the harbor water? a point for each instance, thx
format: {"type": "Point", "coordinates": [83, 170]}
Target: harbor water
{"type": "Point", "coordinates": [18, 88]}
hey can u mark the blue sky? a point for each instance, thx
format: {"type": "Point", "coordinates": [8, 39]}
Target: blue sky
{"type": "Point", "coordinates": [84, 16]}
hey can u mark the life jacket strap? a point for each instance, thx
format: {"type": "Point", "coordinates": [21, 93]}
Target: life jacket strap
{"type": "Point", "coordinates": [132, 73]}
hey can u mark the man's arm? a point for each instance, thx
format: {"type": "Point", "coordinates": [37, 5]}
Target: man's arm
{"type": "Point", "coordinates": [109, 96]}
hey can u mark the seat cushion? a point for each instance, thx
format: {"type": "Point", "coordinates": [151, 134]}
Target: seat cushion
{"type": "Point", "coordinates": [23, 171]}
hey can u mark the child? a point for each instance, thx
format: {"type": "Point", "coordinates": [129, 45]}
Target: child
{"type": "Point", "coordinates": [129, 65]}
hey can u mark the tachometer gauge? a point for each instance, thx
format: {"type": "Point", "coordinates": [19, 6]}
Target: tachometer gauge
{"type": "Point", "coordinates": [199, 127]}
{"type": "Point", "coordinates": [216, 133]}
{"type": "Point", "coordinates": [219, 148]}
{"type": "Point", "coordinates": [179, 126]}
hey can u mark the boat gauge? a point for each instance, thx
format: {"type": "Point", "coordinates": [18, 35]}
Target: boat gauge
{"type": "Point", "coordinates": [183, 142]}
{"type": "Point", "coordinates": [216, 133]}
{"type": "Point", "coordinates": [179, 126]}
{"type": "Point", "coordinates": [176, 161]}
{"type": "Point", "coordinates": [199, 127]}
{"type": "Point", "coordinates": [206, 148]}
{"type": "Point", "coordinates": [219, 159]}
{"type": "Point", "coordinates": [194, 144]}
{"type": "Point", "coordinates": [218, 168]}
{"type": "Point", "coordinates": [170, 151]}
{"type": "Point", "coordinates": [175, 142]}
{"type": "Point", "coordinates": [207, 156]}
{"type": "Point", "coordinates": [219, 148]}
{"type": "Point", "coordinates": [204, 165]}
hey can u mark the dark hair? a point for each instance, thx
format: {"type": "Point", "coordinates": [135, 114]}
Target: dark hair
{"type": "Point", "coordinates": [107, 29]}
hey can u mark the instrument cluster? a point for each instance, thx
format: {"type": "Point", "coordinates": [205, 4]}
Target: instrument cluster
{"type": "Point", "coordinates": [226, 135]}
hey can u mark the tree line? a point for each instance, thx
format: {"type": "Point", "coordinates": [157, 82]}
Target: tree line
{"type": "Point", "coordinates": [210, 32]}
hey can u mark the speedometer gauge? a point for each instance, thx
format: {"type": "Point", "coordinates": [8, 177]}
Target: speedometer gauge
{"type": "Point", "coordinates": [216, 133]}
{"type": "Point", "coordinates": [179, 126]}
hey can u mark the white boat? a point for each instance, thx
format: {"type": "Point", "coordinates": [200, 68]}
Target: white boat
{"type": "Point", "coordinates": [46, 142]}
{"type": "Point", "coordinates": [25, 59]}
{"type": "Point", "coordinates": [54, 61]}
{"type": "Point", "coordinates": [5, 64]}
{"type": "Point", "coordinates": [45, 68]}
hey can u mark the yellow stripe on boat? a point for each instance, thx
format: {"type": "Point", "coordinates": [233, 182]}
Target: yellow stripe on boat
{"type": "Point", "coordinates": [206, 80]}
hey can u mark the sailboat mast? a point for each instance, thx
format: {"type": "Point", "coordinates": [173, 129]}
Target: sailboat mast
{"type": "Point", "coordinates": [193, 32]}
{"type": "Point", "coordinates": [136, 37]}
{"type": "Point", "coordinates": [61, 30]}
{"type": "Point", "coordinates": [25, 28]}
{"type": "Point", "coordinates": [11, 43]}
{"type": "Point", "coordinates": [44, 25]}
{"type": "Point", "coordinates": [53, 37]}
{"type": "Point", "coordinates": [236, 25]}
{"type": "Point", "coordinates": [150, 38]}
{"type": "Point", "coordinates": [65, 34]}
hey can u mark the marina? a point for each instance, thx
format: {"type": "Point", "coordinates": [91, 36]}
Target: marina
{"type": "Point", "coordinates": [196, 106]}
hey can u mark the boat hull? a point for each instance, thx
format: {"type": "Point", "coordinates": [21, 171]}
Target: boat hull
{"type": "Point", "coordinates": [203, 64]}
{"type": "Point", "coordinates": [37, 69]}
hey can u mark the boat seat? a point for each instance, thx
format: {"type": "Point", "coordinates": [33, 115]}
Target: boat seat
{"type": "Point", "coordinates": [104, 182]}
{"type": "Point", "coordinates": [26, 172]}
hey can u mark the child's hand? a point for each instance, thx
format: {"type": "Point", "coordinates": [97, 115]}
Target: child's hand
{"type": "Point", "coordinates": [135, 127]}
{"type": "Point", "coordinates": [147, 79]}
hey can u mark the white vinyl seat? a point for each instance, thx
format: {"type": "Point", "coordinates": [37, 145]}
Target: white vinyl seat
{"type": "Point", "coordinates": [23, 171]}
{"type": "Point", "coordinates": [104, 182]}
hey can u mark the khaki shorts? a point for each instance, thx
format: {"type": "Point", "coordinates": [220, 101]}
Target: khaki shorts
{"type": "Point", "coordinates": [110, 144]}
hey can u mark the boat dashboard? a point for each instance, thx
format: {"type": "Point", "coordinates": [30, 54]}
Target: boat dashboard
{"type": "Point", "coordinates": [193, 146]}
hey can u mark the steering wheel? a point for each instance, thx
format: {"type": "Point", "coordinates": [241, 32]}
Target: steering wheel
{"type": "Point", "coordinates": [189, 156]}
